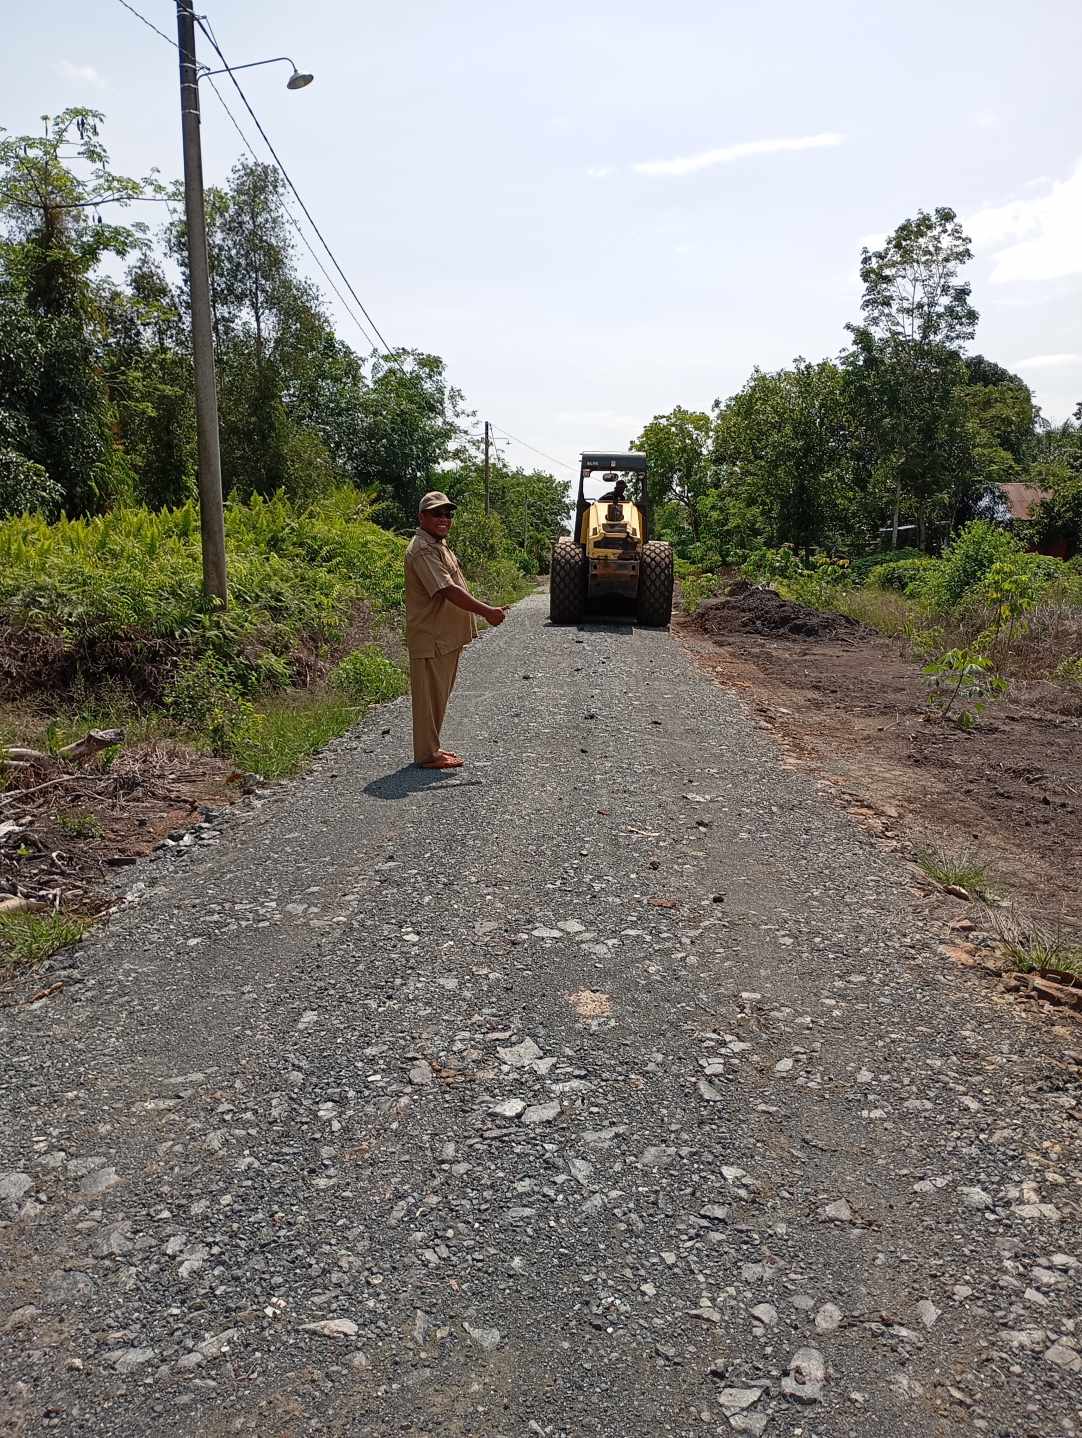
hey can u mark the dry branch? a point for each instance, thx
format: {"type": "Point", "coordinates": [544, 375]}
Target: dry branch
{"type": "Point", "coordinates": [19, 905]}
{"type": "Point", "coordinates": [91, 743]}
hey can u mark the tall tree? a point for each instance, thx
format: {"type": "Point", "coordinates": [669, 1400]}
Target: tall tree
{"type": "Point", "coordinates": [148, 369]}
{"type": "Point", "coordinates": [677, 448]}
{"type": "Point", "coordinates": [912, 291]}
{"type": "Point", "coordinates": [272, 336]}
{"type": "Point", "coordinates": [410, 423]}
{"type": "Point", "coordinates": [781, 447]}
{"type": "Point", "coordinates": [58, 417]}
{"type": "Point", "coordinates": [905, 371]}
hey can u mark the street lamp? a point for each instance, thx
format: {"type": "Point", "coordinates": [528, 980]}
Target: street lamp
{"type": "Point", "coordinates": [296, 81]}
{"type": "Point", "coordinates": [211, 508]}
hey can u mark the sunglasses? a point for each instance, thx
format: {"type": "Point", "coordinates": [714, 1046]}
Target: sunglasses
{"type": "Point", "coordinates": [442, 513]}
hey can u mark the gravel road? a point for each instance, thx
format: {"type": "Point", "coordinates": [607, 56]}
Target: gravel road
{"type": "Point", "coordinates": [606, 1087]}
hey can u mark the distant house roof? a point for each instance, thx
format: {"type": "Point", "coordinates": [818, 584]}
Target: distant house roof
{"type": "Point", "coordinates": [1023, 499]}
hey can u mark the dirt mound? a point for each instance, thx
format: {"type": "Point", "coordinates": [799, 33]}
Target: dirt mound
{"type": "Point", "coordinates": [756, 610]}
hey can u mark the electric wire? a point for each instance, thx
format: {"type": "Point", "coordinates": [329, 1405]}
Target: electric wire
{"type": "Point", "coordinates": [288, 213]}
{"type": "Point", "coordinates": [550, 457]}
{"type": "Point", "coordinates": [149, 24]}
{"type": "Point", "coordinates": [208, 31]}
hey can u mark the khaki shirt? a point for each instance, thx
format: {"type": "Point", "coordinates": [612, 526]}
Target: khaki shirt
{"type": "Point", "coordinates": [433, 625]}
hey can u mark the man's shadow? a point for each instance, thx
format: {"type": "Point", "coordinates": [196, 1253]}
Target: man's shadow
{"type": "Point", "coordinates": [409, 780]}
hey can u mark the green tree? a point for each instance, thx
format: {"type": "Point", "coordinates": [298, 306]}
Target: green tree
{"type": "Point", "coordinates": [1057, 520]}
{"type": "Point", "coordinates": [410, 423]}
{"type": "Point", "coordinates": [905, 373]}
{"type": "Point", "coordinates": [532, 505]}
{"type": "Point", "coordinates": [916, 438]}
{"type": "Point", "coordinates": [290, 391]}
{"type": "Point", "coordinates": [912, 293]}
{"type": "Point", "coordinates": [781, 449]}
{"type": "Point", "coordinates": [55, 408]}
{"type": "Point", "coordinates": [148, 368]}
{"type": "Point", "coordinates": [678, 453]}
{"type": "Point", "coordinates": [1000, 419]}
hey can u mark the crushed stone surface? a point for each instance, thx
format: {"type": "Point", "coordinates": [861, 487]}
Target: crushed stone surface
{"type": "Point", "coordinates": [325, 1137]}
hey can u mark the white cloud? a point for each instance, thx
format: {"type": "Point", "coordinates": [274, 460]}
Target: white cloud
{"type": "Point", "coordinates": [86, 73]}
{"type": "Point", "coordinates": [1033, 239]}
{"type": "Point", "coordinates": [599, 172]}
{"type": "Point", "coordinates": [707, 159]}
{"type": "Point", "coordinates": [1048, 361]}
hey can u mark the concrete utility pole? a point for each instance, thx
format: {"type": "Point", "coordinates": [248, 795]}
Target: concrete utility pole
{"type": "Point", "coordinates": [487, 469]}
{"type": "Point", "coordinates": [211, 512]}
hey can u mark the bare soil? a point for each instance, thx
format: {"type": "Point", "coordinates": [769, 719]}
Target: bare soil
{"type": "Point", "coordinates": [65, 828]}
{"type": "Point", "coordinates": [851, 706]}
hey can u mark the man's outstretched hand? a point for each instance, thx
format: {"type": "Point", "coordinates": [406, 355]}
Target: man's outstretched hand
{"type": "Point", "coordinates": [463, 599]}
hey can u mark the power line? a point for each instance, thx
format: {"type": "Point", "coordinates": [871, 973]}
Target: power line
{"type": "Point", "coordinates": [247, 144]}
{"type": "Point", "coordinates": [148, 23]}
{"type": "Point", "coordinates": [293, 220]}
{"type": "Point", "coordinates": [550, 457]}
{"type": "Point", "coordinates": [207, 30]}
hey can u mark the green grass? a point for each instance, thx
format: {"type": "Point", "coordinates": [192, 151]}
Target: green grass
{"type": "Point", "coordinates": [271, 736]}
{"type": "Point", "coordinates": [49, 722]}
{"type": "Point", "coordinates": [289, 728]}
{"type": "Point", "coordinates": [878, 609]}
{"type": "Point", "coordinates": [368, 676]}
{"type": "Point", "coordinates": [81, 826]}
{"type": "Point", "coordinates": [121, 594]}
{"type": "Point", "coordinates": [696, 589]}
{"type": "Point", "coordinates": [1037, 955]}
{"type": "Point", "coordinates": [103, 625]}
{"type": "Point", "coordinates": [30, 939]}
{"type": "Point", "coordinates": [1069, 671]}
{"type": "Point", "coordinates": [960, 868]}
{"type": "Point", "coordinates": [1033, 947]}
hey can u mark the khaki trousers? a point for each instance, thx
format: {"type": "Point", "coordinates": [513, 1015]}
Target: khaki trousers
{"type": "Point", "coordinates": [431, 682]}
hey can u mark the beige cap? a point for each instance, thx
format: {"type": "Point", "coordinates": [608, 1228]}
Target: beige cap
{"type": "Point", "coordinates": [435, 499]}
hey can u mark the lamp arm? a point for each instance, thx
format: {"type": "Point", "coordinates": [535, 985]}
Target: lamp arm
{"type": "Point", "coordinates": [252, 65]}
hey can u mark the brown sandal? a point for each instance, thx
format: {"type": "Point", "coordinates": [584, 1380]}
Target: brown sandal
{"type": "Point", "coordinates": [442, 761]}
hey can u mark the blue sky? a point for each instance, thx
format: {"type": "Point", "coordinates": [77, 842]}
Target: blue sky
{"type": "Point", "coordinates": [595, 211]}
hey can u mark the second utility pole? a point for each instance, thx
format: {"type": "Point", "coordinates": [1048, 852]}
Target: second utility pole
{"type": "Point", "coordinates": [487, 467]}
{"type": "Point", "coordinates": [211, 513]}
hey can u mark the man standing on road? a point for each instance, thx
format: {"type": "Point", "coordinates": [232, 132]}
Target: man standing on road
{"type": "Point", "coordinates": [440, 621]}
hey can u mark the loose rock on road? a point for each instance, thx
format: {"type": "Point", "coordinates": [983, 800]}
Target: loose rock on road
{"type": "Point", "coordinates": [608, 1086]}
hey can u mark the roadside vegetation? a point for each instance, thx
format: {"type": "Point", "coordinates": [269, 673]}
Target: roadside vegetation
{"type": "Point", "coordinates": [103, 623]}
{"type": "Point", "coordinates": [984, 613]}
{"type": "Point", "coordinates": [956, 869]}
{"type": "Point", "coordinates": [894, 445]}
{"type": "Point", "coordinates": [325, 452]}
{"type": "Point", "coordinates": [872, 485]}
{"type": "Point", "coordinates": [1035, 947]}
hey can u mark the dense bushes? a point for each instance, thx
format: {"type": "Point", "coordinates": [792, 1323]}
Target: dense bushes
{"type": "Point", "coordinates": [902, 575]}
{"type": "Point", "coordinates": [966, 561]}
{"type": "Point", "coordinates": [975, 565]}
{"type": "Point", "coordinates": [368, 676]}
{"type": "Point", "coordinates": [121, 594]}
{"type": "Point", "coordinates": [485, 553]}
